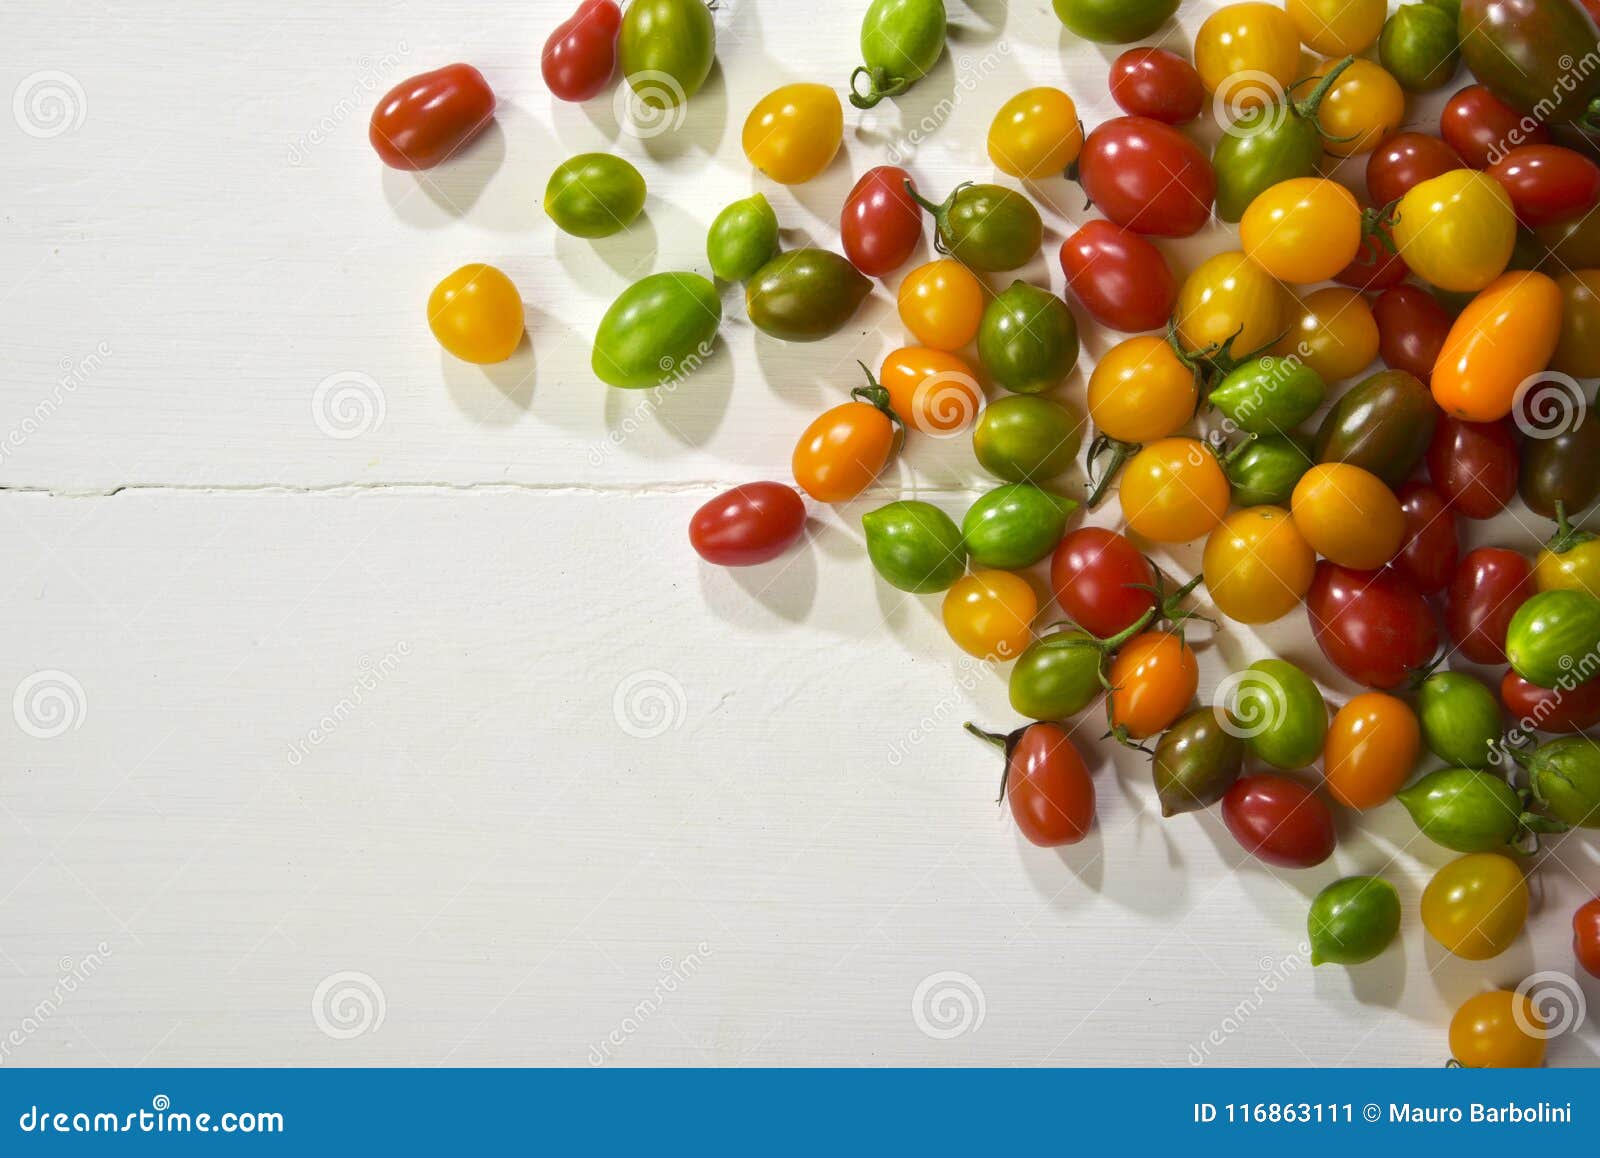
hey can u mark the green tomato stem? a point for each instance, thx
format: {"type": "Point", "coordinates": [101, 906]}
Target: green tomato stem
{"type": "Point", "coordinates": [1308, 107]}
{"type": "Point", "coordinates": [1121, 452]}
{"type": "Point", "coordinates": [1567, 536]}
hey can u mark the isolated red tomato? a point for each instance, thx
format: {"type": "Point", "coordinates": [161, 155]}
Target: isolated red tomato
{"type": "Point", "coordinates": [1148, 177]}
{"type": "Point", "coordinates": [1121, 278]}
{"type": "Point", "coordinates": [1550, 709]}
{"type": "Point", "coordinates": [1279, 820]}
{"type": "Point", "coordinates": [1372, 625]}
{"type": "Point", "coordinates": [1481, 127]}
{"type": "Point", "coordinates": [1548, 184]}
{"type": "Point", "coordinates": [1048, 786]}
{"type": "Point", "coordinates": [1404, 160]}
{"type": "Point", "coordinates": [748, 524]}
{"type": "Point", "coordinates": [425, 119]}
{"type": "Point", "coordinates": [1474, 464]}
{"type": "Point", "coordinates": [882, 223]}
{"type": "Point", "coordinates": [1412, 327]}
{"type": "Point", "coordinates": [1377, 266]}
{"type": "Point", "coordinates": [581, 53]}
{"type": "Point", "coordinates": [1586, 936]}
{"type": "Point", "coordinates": [1490, 584]}
{"type": "Point", "coordinates": [1428, 555]}
{"type": "Point", "coordinates": [1096, 574]}
{"type": "Point", "coordinates": [1155, 83]}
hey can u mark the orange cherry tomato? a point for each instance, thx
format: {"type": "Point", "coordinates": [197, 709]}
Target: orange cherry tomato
{"type": "Point", "coordinates": [931, 390]}
{"type": "Point", "coordinates": [1140, 391]}
{"type": "Point", "coordinates": [844, 449]}
{"type": "Point", "coordinates": [1498, 1029]}
{"type": "Point", "coordinates": [1153, 681]}
{"type": "Point", "coordinates": [990, 614]}
{"type": "Point", "coordinates": [1506, 335]}
{"type": "Point", "coordinates": [1348, 515]}
{"type": "Point", "coordinates": [1174, 491]}
{"type": "Point", "coordinates": [1371, 750]}
{"type": "Point", "coordinates": [941, 303]}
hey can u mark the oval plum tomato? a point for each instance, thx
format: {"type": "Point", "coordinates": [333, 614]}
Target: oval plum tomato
{"type": "Point", "coordinates": [1476, 905]}
{"type": "Point", "coordinates": [1119, 277]}
{"type": "Point", "coordinates": [1153, 680]}
{"type": "Point", "coordinates": [1348, 515]}
{"type": "Point", "coordinates": [1141, 390]}
{"type": "Point", "coordinates": [1456, 231]}
{"type": "Point", "coordinates": [1506, 335]}
{"type": "Point", "coordinates": [1374, 626]}
{"type": "Point", "coordinates": [843, 450]}
{"type": "Point", "coordinates": [1378, 264]}
{"type": "Point", "coordinates": [476, 314]}
{"type": "Point", "coordinates": [1250, 38]}
{"type": "Point", "coordinates": [1035, 134]}
{"type": "Point", "coordinates": [749, 524]}
{"type": "Point", "coordinates": [1586, 936]}
{"type": "Point", "coordinates": [1332, 331]}
{"type": "Point", "coordinates": [1500, 1030]}
{"type": "Point", "coordinates": [1257, 565]}
{"type": "Point", "coordinates": [1279, 820]}
{"type": "Point", "coordinates": [1474, 465]}
{"type": "Point", "coordinates": [581, 54]}
{"type": "Point", "coordinates": [932, 391]}
{"type": "Point", "coordinates": [1489, 585]}
{"type": "Point", "coordinates": [1428, 554]}
{"type": "Point", "coordinates": [1155, 83]}
{"type": "Point", "coordinates": [1364, 106]}
{"type": "Point", "coordinates": [1046, 784]}
{"type": "Point", "coordinates": [793, 132]}
{"type": "Point", "coordinates": [990, 614]}
{"type": "Point", "coordinates": [1371, 750]}
{"type": "Point", "coordinates": [1405, 160]}
{"type": "Point", "coordinates": [1482, 128]}
{"type": "Point", "coordinates": [1550, 709]}
{"type": "Point", "coordinates": [1229, 301]}
{"type": "Point", "coordinates": [1302, 230]}
{"type": "Point", "coordinates": [1548, 184]}
{"type": "Point", "coordinates": [1147, 177]}
{"type": "Point", "coordinates": [425, 119]}
{"type": "Point", "coordinates": [1412, 327]}
{"type": "Point", "coordinates": [1101, 580]}
{"type": "Point", "coordinates": [1578, 352]}
{"type": "Point", "coordinates": [1174, 491]}
{"type": "Point", "coordinates": [881, 224]}
{"type": "Point", "coordinates": [941, 303]}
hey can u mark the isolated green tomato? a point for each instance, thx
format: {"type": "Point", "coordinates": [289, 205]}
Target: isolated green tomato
{"type": "Point", "coordinates": [1028, 339]}
{"type": "Point", "coordinates": [1565, 777]}
{"type": "Point", "coordinates": [1464, 809]}
{"type": "Point", "coordinates": [1015, 525]}
{"type": "Point", "coordinates": [594, 195]}
{"type": "Point", "coordinates": [1279, 712]}
{"type": "Point", "coordinates": [1269, 395]}
{"type": "Point", "coordinates": [805, 294]}
{"type": "Point", "coordinates": [742, 239]}
{"type": "Point", "coordinates": [1195, 762]}
{"type": "Point", "coordinates": [1057, 676]}
{"type": "Point", "coordinates": [1264, 471]}
{"type": "Point", "coordinates": [1419, 48]}
{"type": "Point", "coordinates": [1553, 636]}
{"type": "Point", "coordinates": [1114, 21]}
{"type": "Point", "coordinates": [1026, 438]}
{"type": "Point", "coordinates": [1460, 718]}
{"type": "Point", "coordinates": [660, 327]}
{"type": "Point", "coordinates": [1353, 920]}
{"type": "Point", "coordinates": [666, 48]}
{"type": "Point", "coordinates": [915, 546]}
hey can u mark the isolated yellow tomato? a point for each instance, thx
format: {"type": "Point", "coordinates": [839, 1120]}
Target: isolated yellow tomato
{"type": "Point", "coordinates": [1476, 905]}
{"type": "Point", "coordinates": [793, 132]}
{"type": "Point", "coordinates": [989, 614]}
{"type": "Point", "coordinates": [1257, 565]}
{"type": "Point", "coordinates": [1140, 391]}
{"type": "Point", "coordinates": [1035, 134]}
{"type": "Point", "coordinates": [941, 303]}
{"type": "Point", "coordinates": [1348, 515]}
{"type": "Point", "coordinates": [476, 314]}
{"type": "Point", "coordinates": [1249, 53]}
{"type": "Point", "coordinates": [1331, 330]}
{"type": "Point", "coordinates": [1365, 105]}
{"type": "Point", "coordinates": [1303, 230]}
{"type": "Point", "coordinates": [1174, 491]}
{"type": "Point", "coordinates": [1338, 27]}
{"type": "Point", "coordinates": [1500, 1030]}
{"type": "Point", "coordinates": [1229, 297]}
{"type": "Point", "coordinates": [1456, 230]}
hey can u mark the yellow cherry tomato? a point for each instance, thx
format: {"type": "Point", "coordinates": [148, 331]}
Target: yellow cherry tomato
{"type": "Point", "coordinates": [933, 391]}
{"type": "Point", "coordinates": [989, 614]}
{"type": "Point", "coordinates": [1249, 53]}
{"type": "Point", "coordinates": [1174, 491]}
{"type": "Point", "coordinates": [1365, 104]}
{"type": "Point", "coordinates": [1302, 230]}
{"type": "Point", "coordinates": [941, 303]}
{"type": "Point", "coordinates": [1457, 230]}
{"type": "Point", "coordinates": [476, 314]}
{"type": "Point", "coordinates": [1500, 1030]}
{"type": "Point", "coordinates": [1229, 297]}
{"type": "Point", "coordinates": [1331, 330]}
{"type": "Point", "coordinates": [1035, 134]}
{"type": "Point", "coordinates": [1476, 905]}
{"type": "Point", "coordinates": [1140, 391]}
{"type": "Point", "coordinates": [1575, 568]}
{"type": "Point", "coordinates": [1338, 27]}
{"type": "Point", "coordinates": [1257, 565]}
{"type": "Point", "coordinates": [1348, 515]}
{"type": "Point", "coordinates": [794, 131]}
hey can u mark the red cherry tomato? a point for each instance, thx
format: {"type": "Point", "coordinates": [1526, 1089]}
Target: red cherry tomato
{"type": "Point", "coordinates": [1404, 160]}
{"type": "Point", "coordinates": [1155, 83]}
{"type": "Point", "coordinates": [1376, 266]}
{"type": "Point", "coordinates": [1121, 279]}
{"type": "Point", "coordinates": [881, 223]}
{"type": "Point", "coordinates": [581, 53]}
{"type": "Point", "coordinates": [1473, 464]}
{"type": "Point", "coordinates": [1147, 177]}
{"type": "Point", "coordinates": [1279, 820]}
{"type": "Point", "coordinates": [1372, 625]}
{"type": "Point", "coordinates": [1428, 554]}
{"type": "Point", "coordinates": [1047, 785]}
{"type": "Point", "coordinates": [1482, 128]}
{"type": "Point", "coordinates": [425, 119]}
{"type": "Point", "coordinates": [1490, 584]}
{"type": "Point", "coordinates": [1540, 709]}
{"type": "Point", "coordinates": [1547, 184]}
{"type": "Point", "coordinates": [1097, 574]}
{"type": "Point", "coordinates": [749, 524]}
{"type": "Point", "coordinates": [1412, 327]}
{"type": "Point", "coordinates": [1586, 936]}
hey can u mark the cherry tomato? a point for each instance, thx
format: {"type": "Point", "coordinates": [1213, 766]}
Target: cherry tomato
{"type": "Point", "coordinates": [1476, 905]}
{"type": "Point", "coordinates": [1153, 679]}
{"type": "Point", "coordinates": [1578, 352]}
{"type": "Point", "coordinates": [1371, 750]}
{"type": "Point", "coordinates": [1586, 936]}
{"type": "Point", "coordinates": [1364, 105]}
{"type": "Point", "coordinates": [581, 54]}
{"type": "Point", "coordinates": [1550, 709]}
{"type": "Point", "coordinates": [941, 303]}
{"type": "Point", "coordinates": [425, 119]}
{"type": "Point", "coordinates": [844, 449]}
{"type": "Point", "coordinates": [1098, 576]}
{"type": "Point", "coordinates": [1035, 134]}
{"type": "Point", "coordinates": [1147, 177]}
{"type": "Point", "coordinates": [1121, 279]}
{"type": "Point", "coordinates": [1412, 327]}
{"type": "Point", "coordinates": [1257, 565]}
{"type": "Point", "coordinates": [1348, 515]}
{"type": "Point", "coordinates": [1338, 27]}
{"type": "Point", "coordinates": [933, 391]}
{"type": "Point", "coordinates": [1046, 784]}
{"type": "Point", "coordinates": [1155, 83]}
{"type": "Point", "coordinates": [1302, 230]}
{"type": "Point", "coordinates": [1378, 264]}
{"type": "Point", "coordinates": [1547, 184]}
{"type": "Point", "coordinates": [1482, 128]}
{"type": "Point", "coordinates": [749, 524]}
{"type": "Point", "coordinates": [793, 132]}
{"type": "Point", "coordinates": [476, 314]}
{"type": "Point", "coordinates": [1505, 336]}
{"type": "Point", "coordinates": [1279, 820]}
{"type": "Point", "coordinates": [1428, 554]}
{"type": "Point", "coordinates": [990, 614]}
{"type": "Point", "coordinates": [1474, 465]}
{"type": "Point", "coordinates": [1332, 331]}
{"type": "Point", "coordinates": [881, 224]}
{"type": "Point", "coordinates": [1229, 299]}
{"type": "Point", "coordinates": [1253, 38]}
{"type": "Point", "coordinates": [1140, 391]}
{"type": "Point", "coordinates": [1457, 230]}
{"type": "Point", "coordinates": [1372, 625]}
{"type": "Point", "coordinates": [1174, 491]}
{"type": "Point", "coordinates": [1404, 161]}
{"type": "Point", "coordinates": [1488, 1031]}
{"type": "Point", "coordinates": [1490, 584]}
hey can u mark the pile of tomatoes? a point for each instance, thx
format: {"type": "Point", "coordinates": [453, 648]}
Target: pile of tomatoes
{"type": "Point", "coordinates": [1240, 409]}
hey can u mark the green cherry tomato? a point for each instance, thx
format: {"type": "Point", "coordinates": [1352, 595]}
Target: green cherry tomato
{"type": "Point", "coordinates": [1264, 468]}
{"type": "Point", "coordinates": [742, 239]}
{"type": "Point", "coordinates": [594, 195]}
{"type": "Point", "coordinates": [1015, 526]}
{"type": "Point", "coordinates": [1464, 809]}
{"type": "Point", "coordinates": [986, 227]}
{"type": "Point", "coordinates": [1278, 712]}
{"type": "Point", "coordinates": [1195, 763]}
{"type": "Point", "coordinates": [1114, 21]}
{"type": "Point", "coordinates": [1269, 395]}
{"type": "Point", "coordinates": [1552, 638]}
{"type": "Point", "coordinates": [666, 48]}
{"type": "Point", "coordinates": [1419, 48]}
{"type": "Point", "coordinates": [915, 546]}
{"type": "Point", "coordinates": [1353, 920]}
{"type": "Point", "coordinates": [1565, 778]}
{"type": "Point", "coordinates": [1026, 438]}
{"type": "Point", "coordinates": [660, 327]}
{"type": "Point", "coordinates": [1460, 719]}
{"type": "Point", "coordinates": [1057, 675]}
{"type": "Point", "coordinates": [1028, 339]}
{"type": "Point", "coordinates": [1451, 8]}
{"type": "Point", "coordinates": [1382, 424]}
{"type": "Point", "coordinates": [805, 294]}
{"type": "Point", "coordinates": [1268, 144]}
{"type": "Point", "coordinates": [900, 41]}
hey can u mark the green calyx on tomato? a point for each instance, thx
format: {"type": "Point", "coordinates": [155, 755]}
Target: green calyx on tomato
{"type": "Point", "coordinates": [915, 546]}
{"type": "Point", "coordinates": [1269, 394]}
{"type": "Point", "coordinates": [1027, 438]}
{"type": "Point", "coordinates": [1195, 762]}
{"type": "Point", "coordinates": [1564, 779]}
{"type": "Point", "coordinates": [1353, 920]}
{"type": "Point", "coordinates": [594, 195]}
{"type": "Point", "coordinates": [742, 239]}
{"type": "Point", "coordinates": [803, 295]}
{"type": "Point", "coordinates": [661, 327]}
{"type": "Point", "coordinates": [1278, 711]}
{"type": "Point", "coordinates": [1028, 339]}
{"type": "Point", "coordinates": [1553, 638]}
{"type": "Point", "coordinates": [1467, 810]}
{"type": "Point", "coordinates": [1264, 468]}
{"type": "Point", "coordinates": [1419, 47]}
{"type": "Point", "coordinates": [1114, 21]}
{"type": "Point", "coordinates": [900, 41]}
{"type": "Point", "coordinates": [985, 227]}
{"type": "Point", "coordinates": [1060, 674]}
{"type": "Point", "coordinates": [666, 48]}
{"type": "Point", "coordinates": [1460, 719]}
{"type": "Point", "coordinates": [1015, 525]}
{"type": "Point", "coordinates": [1383, 424]}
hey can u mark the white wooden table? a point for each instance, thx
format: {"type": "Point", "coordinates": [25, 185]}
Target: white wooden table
{"type": "Point", "coordinates": [371, 708]}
